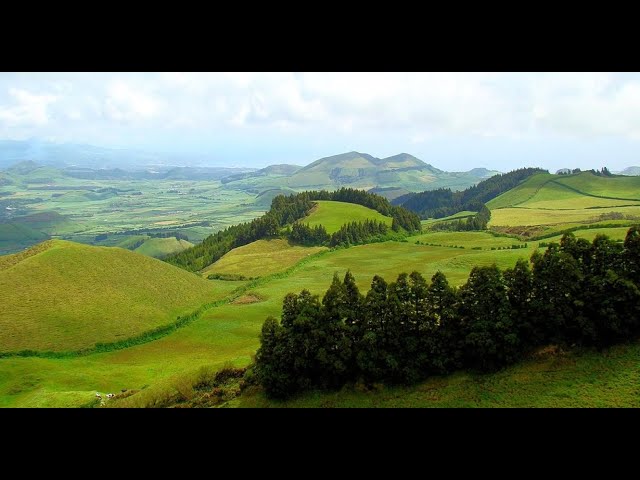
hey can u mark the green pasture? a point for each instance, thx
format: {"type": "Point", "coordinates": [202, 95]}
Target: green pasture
{"type": "Point", "coordinates": [332, 215]}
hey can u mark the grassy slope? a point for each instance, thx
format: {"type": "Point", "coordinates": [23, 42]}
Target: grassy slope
{"type": "Point", "coordinates": [160, 247]}
{"type": "Point", "coordinates": [335, 214]}
{"type": "Point", "coordinates": [462, 214]}
{"type": "Point", "coordinates": [521, 193]}
{"type": "Point", "coordinates": [581, 379]}
{"type": "Point", "coordinates": [260, 258]}
{"type": "Point", "coordinates": [546, 199]}
{"type": "Point", "coordinates": [70, 296]}
{"type": "Point", "coordinates": [532, 216]}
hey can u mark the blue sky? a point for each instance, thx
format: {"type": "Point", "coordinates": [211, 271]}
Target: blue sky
{"type": "Point", "coordinates": [455, 121]}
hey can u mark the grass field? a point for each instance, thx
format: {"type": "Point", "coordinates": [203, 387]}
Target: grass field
{"type": "Point", "coordinates": [69, 296]}
{"type": "Point", "coordinates": [160, 247]}
{"type": "Point", "coordinates": [533, 216]}
{"type": "Point", "coordinates": [463, 214]}
{"type": "Point", "coordinates": [483, 240]}
{"type": "Point", "coordinates": [332, 215]}
{"type": "Point", "coordinates": [577, 379]}
{"type": "Point", "coordinates": [260, 258]}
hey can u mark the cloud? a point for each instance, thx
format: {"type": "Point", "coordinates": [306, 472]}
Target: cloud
{"type": "Point", "coordinates": [125, 103]}
{"type": "Point", "coordinates": [28, 109]}
{"type": "Point", "coordinates": [320, 106]}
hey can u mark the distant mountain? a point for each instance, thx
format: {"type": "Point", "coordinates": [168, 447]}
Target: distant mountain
{"type": "Point", "coordinates": [482, 172]}
{"type": "Point", "coordinates": [631, 171]}
{"type": "Point", "coordinates": [563, 171]}
{"type": "Point", "coordinates": [358, 170]}
{"type": "Point", "coordinates": [63, 155]}
{"type": "Point", "coordinates": [36, 173]}
{"type": "Point", "coordinates": [280, 170]}
{"type": "Point", "coordinates": [23, 168]}
{"type": "Point", "coordinates": [404, 160]}
{"type": "Point", "coordinates": [390, 193]}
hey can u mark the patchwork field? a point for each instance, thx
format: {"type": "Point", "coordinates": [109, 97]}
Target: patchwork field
{"type": "Point", "coordinates": [332, 215]}
{"type": "Point", "coordinates": [85, 210]}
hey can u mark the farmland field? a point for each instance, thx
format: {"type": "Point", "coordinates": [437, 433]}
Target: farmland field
{"type": "Point", "coordinates": [88, 210]}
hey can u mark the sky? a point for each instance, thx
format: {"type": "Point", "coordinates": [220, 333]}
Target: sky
{"type": "Point", "coordinates": [454, 121]}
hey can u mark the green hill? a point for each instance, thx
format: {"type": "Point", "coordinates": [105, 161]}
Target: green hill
{"type": "Point", "coordinates": [633, 171]}
{"type": "Point", "coordinates": [160, 247]}
{"type": "Point", "coordinates": [332, 215]}
{"type": "Point", "coordinates": [67, 296]}
{"type": "Point", "coordinates": [16, 235]}
{"type": "Point", "coordinates": [546, 199]}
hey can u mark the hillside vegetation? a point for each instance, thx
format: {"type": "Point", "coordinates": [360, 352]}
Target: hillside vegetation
{"type": "Point", "coordinates": [67, 296]}
{"type": "Point", "coordinates": [288, 211]}
{"type": "Point", "coordinates": [332, 215]}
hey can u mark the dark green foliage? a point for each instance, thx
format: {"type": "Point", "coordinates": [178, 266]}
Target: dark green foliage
{"type": "Point", "coordinates": [443, 202]}
{"type": "Point", "coordinates": [576, 293]}
{"type": "Point", "coordinates": [491, 339]}
{"type": "Point", "coordinates": [478, 222]}
{"type": "Point", "coordinates": [303, 234]}
{"type": "Point", "coordinates": [354, 233]}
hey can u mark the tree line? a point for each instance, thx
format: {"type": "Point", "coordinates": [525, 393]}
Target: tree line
{"type": "Point", "coordinates": [443, 202]}
{"type": "Point", "coordinates": [286, 210]}
{"type": "Point", "coordinates": [575, 293]}
{"type": "Point", "coordinates": [352, 233]}
{"type": "Point", "coordinates": [479, 221]}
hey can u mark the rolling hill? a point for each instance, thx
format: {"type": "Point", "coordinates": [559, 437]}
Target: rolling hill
{"type": "Point", "coordinates": [160, 247]}
{"type": "Point", "coordinates": [61, 296]}
{"type": "Point", "coordinates": [547, 200]}
{"type": "Point", "coordinates": [332, 215]}
{"type": "Point", "coordinates": [633, 171]}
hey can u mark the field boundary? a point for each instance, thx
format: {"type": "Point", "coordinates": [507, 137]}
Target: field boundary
{"type": "Point", "coordinates": [557, 182]}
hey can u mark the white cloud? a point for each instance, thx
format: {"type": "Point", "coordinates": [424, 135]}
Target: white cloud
{"type": "Point", "coordinates": [417, 106]}
{"type": "Point", "coordinates": [126, 103]}
{"type": "Point", "coordinates": [28, 109]}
